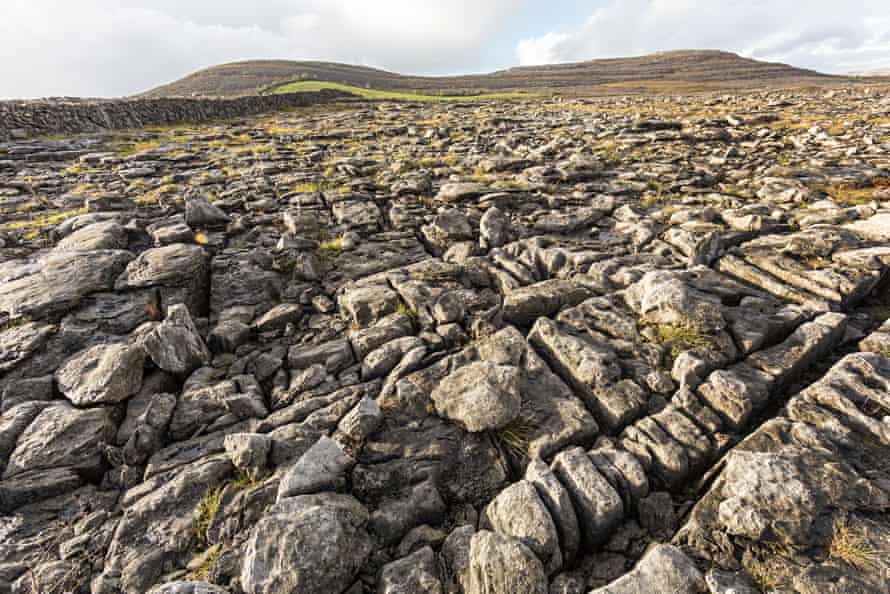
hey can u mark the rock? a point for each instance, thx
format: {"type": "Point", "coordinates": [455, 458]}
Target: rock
{"type": "Point", "coordinates": [190, 587]}
{"type": "Point", "coordinates": [502, 564]}
{"type": "Point", "coordinates": [414, 574]}
{"type": "Point", "coordinates": [480, 396]}
{"type": "Point", "coordinates": [322, 468]}
{"type": "Point", "coordinates": [62, 436]}
{"type": "Point", "coordinates": [596, 502]}
{"type": "Point", "coordinates": [495, 229]}
{"type": "Point", "coordinates": [175, 345]}
{"type": "Point", "coordinates": [107, 235]}
{"type": "Point", "coordinates": [20, 342]}
{"type": "Point", "coordinates": [278, 317]}
{"type": "Point", "coordinates": [200, 212]}
{"type": "Point", "coordinates": [525, 305]}
{"type": "Point", "coordinates": [519, 512]}
{"type": "Point", "coordinates": [57, 282]}
{"type": "Point", "coordinates": [336, 355]}
{"type": "Point", "coordinates": [102, 374]}
{"type": "Point", "coordinates": [180, 272]}
{"type": "Point", "coordinates": [366, 305]}
{"type": "Point", "coordinates": [664, 567]}
{"type": "Point", "coordinates": [559, 503]}
{"type": "Point", "coordinates": [249, 452]}
{"type": "Point", "coordinates": [311, 543]}
{"type": "Point", "coordinates": [228, 335]}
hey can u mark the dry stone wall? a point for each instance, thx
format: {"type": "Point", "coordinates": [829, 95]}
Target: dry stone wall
{"type": "Point", "coordinates": [25, 119]}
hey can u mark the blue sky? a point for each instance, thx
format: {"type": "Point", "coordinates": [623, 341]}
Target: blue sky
{"type": "Point", "coordinates": [118, 47]}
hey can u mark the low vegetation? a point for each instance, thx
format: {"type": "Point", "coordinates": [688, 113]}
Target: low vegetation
{"type": "Point", "coordinates": [366, 93]}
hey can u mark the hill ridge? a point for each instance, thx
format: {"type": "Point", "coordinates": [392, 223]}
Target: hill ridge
{"type": "Point", "coordinates": [687, 70]}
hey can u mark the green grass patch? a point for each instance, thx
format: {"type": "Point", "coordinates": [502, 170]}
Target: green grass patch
{"type": "Point", "coordinates": [317, 85]}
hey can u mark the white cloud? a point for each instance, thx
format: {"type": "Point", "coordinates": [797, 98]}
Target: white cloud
{"type": "Point", "coordinates": [826, 35]}
{"type": "Point", "coordinates": [115, 47]}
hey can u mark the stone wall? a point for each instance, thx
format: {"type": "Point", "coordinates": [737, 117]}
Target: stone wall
{"type": "Point", "coordinates": [24, 119]}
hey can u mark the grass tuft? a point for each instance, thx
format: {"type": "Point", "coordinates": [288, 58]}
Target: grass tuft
{"type": "Point", "coordinates": [204, 513]}
{"type": "Point", "coordinates": [208, 561]}
{"type": "Point", "coordinates": [514, 439]}
{"type": "Point", "coordinates": [682, 338]}
{"type": "Point", "coordinates": [851, 545]}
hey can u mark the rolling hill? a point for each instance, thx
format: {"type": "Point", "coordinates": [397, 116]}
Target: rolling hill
{"type": "Point", "coordinates": [665, 71]}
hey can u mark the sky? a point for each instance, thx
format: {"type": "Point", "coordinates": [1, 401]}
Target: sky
{"type": "Point", "coordinates": [120, 47]}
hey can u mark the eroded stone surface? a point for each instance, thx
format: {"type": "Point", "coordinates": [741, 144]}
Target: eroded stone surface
{"type": "Point", "coordinates": [469, 347]}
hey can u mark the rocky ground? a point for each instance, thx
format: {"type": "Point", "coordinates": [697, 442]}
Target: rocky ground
{"type": "Point", "coordinates": [635, 345]}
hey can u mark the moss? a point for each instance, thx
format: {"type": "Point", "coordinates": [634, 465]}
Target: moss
{"type": "Point", "coordinates": [331, 246]}
{"type": "Point", "coordinates": [306, 188]}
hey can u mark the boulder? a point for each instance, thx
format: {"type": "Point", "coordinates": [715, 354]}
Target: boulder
{"type": "Point", "coordinates": [105, 373]}
{"type": "Point", "coordinates": [480, 396]}
{"type": "Point", "coordinates": [311, 543]}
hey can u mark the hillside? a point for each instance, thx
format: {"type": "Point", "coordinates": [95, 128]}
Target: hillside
{"type": "Point", "coordinates": [676, 70]}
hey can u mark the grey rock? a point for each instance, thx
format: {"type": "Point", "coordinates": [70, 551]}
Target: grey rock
{"type": "Point", "coordinates": [278, 317]}
{"type": "Point", "coordinates": [559, 503]}
{"type": "Point", "coordinates": [322, 468]}
{"type": "Point", "coordinates": [249, 452]}
{"type": "Point", "coordinates": [312, 543]}
{"type": "Point", "coordinates": [175, 345]}
{"type": "Point", "coordinates": [63, 436]}
{"type": "Point", "coordinates": [480, 396]}
{"type": "Point", "coordinates": [102, 374]}
{"type": "Point", "coordinates": [663, 567]}
{"type": "Point", "coordinates": [598, 505]}
{"type": "Point", "coordinates": [414, 574]}
{"type": "Point", "coordinates": [502, 564]}
{"type": "Point", "coordinates": [200, 212]}
{"type": "Point", "coordinates": [519, 512]}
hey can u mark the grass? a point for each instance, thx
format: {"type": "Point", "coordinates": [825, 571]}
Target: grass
{"type": "Point", "coordinates": [514, 439]}
{"type": "Point", "coordinates": [306, 188]}
{"type": "Point", "coordinates": [851, 545]}
{"type": "Point", "coordinates": [328, 248]}
{"type": "Point", "coordinates": [847, 195]}
{"type": "Point", "coordinates": [314, 85]}
{"type": "Point", "coordinates": [41, 222]}
{"type": "Point", "coordinates": [404, 308]}
{"type": "Point", "coordinates": [678, 337]}
{"type": "Point", "coordinates": [208, 561]}
{"type": "Point", "coordinates": [204, 513]}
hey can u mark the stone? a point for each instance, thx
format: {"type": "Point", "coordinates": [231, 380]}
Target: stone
{"type": "Point", "coordinates": [311, 543]}
{"type": "Point", "coordinates": [500, 563]}
{"type": "Point", "coordinates": [322, 468]}
{"type": "Point", "coordinates": [559, 503]}
{"type": "Point", "coordinates": [200, 213]}
{"type": "Point", "coordinates": [598, 505]}
{"type": "Point", "coordinates": [480, 396]}
{"type": "Point", "coordinates": [518, 511]}
{"type": "Point", "coordinates": [366, 305]}
{"type": "Point", "coordinates": [102, 374]}
{"type": "Point", "coordinates": [525, 305]}
{"type": "Point", "coordinates": [62, 436]}
{"type": "Point", "coordinates": [664, 567]}
{"type": "Point", "coordinates": [414, 574]}
{"type": "Point", "coordinates": [175, 345]}
{"type": "Point", "coordinates": [278, 317]}
{"type": "Point", "coordinates": [249, 452]}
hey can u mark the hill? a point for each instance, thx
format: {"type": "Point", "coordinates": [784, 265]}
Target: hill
{"type": "Point", "coordinates": [687, 71]}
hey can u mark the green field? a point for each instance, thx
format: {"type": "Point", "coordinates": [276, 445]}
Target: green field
{"type": "Point", "coordinates": [317, 85]}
